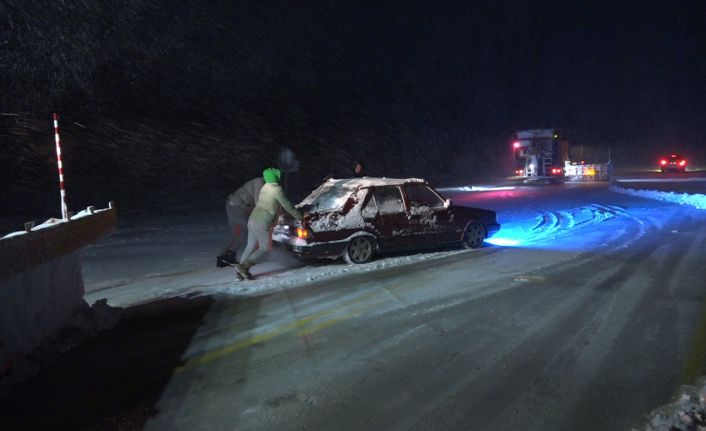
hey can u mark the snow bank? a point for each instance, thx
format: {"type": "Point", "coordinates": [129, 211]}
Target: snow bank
{"type": "Point", "coordinates": [694, 200]}
{"type": "Point", "coordinates": [687, 413]}
{"type": "Point", "coordinates": [267, 280]}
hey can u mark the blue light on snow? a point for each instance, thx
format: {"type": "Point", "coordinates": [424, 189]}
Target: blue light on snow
{"type": "Point", "coordinates": [510, 235]}
{"type": "Point", "coordinates": [503, 242]}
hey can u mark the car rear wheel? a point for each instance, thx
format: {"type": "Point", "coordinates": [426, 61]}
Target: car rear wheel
{"type": "Point", "coordinates": [359, 250]}
{"type": "Point", "coordinates": [474, 235]}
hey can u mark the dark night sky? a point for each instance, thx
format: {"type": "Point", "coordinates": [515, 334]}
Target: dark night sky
{"type": "Point", "coordinates": [210, 93]}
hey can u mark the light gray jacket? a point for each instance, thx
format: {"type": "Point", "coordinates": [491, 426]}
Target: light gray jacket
{"type": "Point", "coordinates": [248, 195]}
{"type": "Point", "coordinates": [271, 198]}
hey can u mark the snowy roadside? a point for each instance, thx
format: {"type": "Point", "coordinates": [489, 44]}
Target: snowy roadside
{"type": "Point", "coordinates": [696, 200]}
{"type": "Point", "coordinates": [687, 413]}
{"type": "Point", "coordinates": [279, 271]}
{"type": "Point", "coordinates": [680, 188]}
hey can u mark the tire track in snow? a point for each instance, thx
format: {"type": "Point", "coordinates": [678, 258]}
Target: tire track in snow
{"type": "Point", "coordinates": [556, 223]}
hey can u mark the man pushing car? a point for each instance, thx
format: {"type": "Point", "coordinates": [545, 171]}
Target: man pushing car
{"type": "Point", "coordinates": [271, 198]}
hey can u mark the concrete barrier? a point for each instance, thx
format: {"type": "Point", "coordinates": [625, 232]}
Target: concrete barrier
{"type": "Point", "coordinates": [41, 285]}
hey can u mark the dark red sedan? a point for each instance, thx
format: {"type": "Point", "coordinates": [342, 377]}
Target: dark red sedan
{"type": "Point", "coordinates": [361, 217]}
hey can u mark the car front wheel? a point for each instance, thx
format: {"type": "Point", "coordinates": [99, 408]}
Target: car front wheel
{"type": "Point", "coordinates": [474, 235]}
{"type": "Point", "coordinates": [359, 250]}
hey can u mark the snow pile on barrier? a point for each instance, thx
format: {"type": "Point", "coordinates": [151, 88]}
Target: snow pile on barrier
{"type": "Point", "coordinates": [687, 413]}
{"type": "Point", "coordinates": [694, 200]}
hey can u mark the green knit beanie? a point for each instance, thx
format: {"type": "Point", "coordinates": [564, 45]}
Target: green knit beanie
{"type": "Point", "coordinates": [271, 175]}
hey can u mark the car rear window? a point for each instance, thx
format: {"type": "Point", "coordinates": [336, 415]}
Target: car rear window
{"type": "Point", "coordinates": [327, 197]}
{"type": "Point", "coordinates": [420, 195]}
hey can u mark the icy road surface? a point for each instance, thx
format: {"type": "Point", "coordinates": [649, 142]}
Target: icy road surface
{"type": "Point", "coordinates": [587, 317]}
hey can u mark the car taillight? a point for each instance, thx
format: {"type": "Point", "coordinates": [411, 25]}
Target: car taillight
{"type": "Point", "coordinates": [301, 232]}
{"type": "Point", "coordinates": [662, 162]}
{"type": "Point", "coordinates": [516, 145]}
{"type": "Point", "coordinates": [682, 163]}
{"type": "Point", "coordinates": [520, 171]}
{"type": "Point", "coordinates": [556, 170]}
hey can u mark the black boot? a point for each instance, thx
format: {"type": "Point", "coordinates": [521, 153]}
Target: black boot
{"type": "Point", "coordinates": [226, 259]}
{"type": "Point", "coordinates": [220, 261]}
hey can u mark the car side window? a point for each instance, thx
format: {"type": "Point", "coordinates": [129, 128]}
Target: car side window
{"type": "Point", "coordinates": [420, 195]}
{"type": "Point", "coordinates": [370, 209]}
{"type": "Point", "coordinates": [388, 199]}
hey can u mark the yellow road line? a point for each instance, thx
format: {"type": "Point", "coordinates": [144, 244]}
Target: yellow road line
{"type": "Point", "coordinates": [226, 350]}
{"type": "Point", "coordinates": [328, 323]}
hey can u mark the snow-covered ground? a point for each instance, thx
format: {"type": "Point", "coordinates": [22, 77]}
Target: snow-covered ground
{"type": "Point", "coordinates": [578, 315]}
{"type": "Point", "coordinates": [696, 200]}
{"type": "Point", "coordinates": [176, 255]}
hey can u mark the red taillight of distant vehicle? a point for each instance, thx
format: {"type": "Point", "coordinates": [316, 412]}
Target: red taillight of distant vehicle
{"type": "Point", "coordinates": [556, 171]}
{"type": "Point", "coordinates": [674, 163]}
{"type": "Point", "coordinates": [516, 144]}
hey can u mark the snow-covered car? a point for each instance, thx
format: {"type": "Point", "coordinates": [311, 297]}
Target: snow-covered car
{"type": "Point", "coordinates": [361, 217]}
{"type": "Point", "coordinates": [672, 163]}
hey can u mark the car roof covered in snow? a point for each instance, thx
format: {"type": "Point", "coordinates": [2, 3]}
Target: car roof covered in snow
{"type": "Point", "coordinates": [374, 181]}
{"type": "Point", "coordinates": [334, 192]}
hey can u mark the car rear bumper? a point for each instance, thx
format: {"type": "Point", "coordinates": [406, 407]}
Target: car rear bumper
{"type": "Point", "coordinates": [302, 248]}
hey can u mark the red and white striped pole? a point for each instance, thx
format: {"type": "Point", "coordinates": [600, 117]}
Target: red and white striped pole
{"type": "Point", "coordinates": [64, 209]}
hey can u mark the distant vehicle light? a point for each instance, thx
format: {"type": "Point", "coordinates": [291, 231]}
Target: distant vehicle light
{"type": "Point", "coordinates": [516, 144]}
{"type": "Point", "coordinates": [674, 155]}
{"type": "Point", "coordinates": [662, 162]}
{"type": "Point", "coordinates": [682, 163]}
{"type": "Point", "coordinates": [520, 171]}
{"type": "Point", "coordinates": [591, 172]}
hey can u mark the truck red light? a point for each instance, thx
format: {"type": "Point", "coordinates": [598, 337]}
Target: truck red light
{"type": "Point", "coordinates": [682, 163]}
{"type": "Point", "coordinates": [662, 162]}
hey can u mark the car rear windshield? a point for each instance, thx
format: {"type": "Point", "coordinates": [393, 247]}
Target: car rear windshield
{"type": "Point", "coordinates": [329, 196]}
